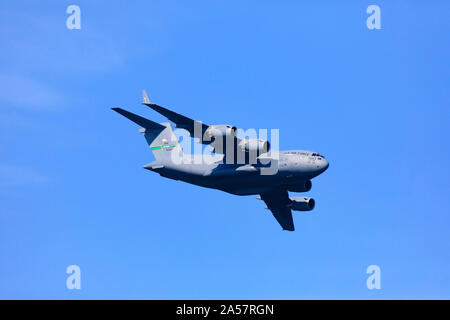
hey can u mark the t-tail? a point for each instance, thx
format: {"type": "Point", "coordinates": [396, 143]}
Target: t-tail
{"type": "Point", "coordinates": [160, 137]}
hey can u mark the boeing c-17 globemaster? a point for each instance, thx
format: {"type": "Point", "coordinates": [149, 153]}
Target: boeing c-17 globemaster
{"type": "Point", "coordinates": [294, 168]}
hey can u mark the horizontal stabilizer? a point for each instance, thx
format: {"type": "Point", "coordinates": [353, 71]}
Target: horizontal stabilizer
{"type": "Point", "coordinates": [143, 122]}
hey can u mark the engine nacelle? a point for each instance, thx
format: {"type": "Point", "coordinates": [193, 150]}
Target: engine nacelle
{"type": "Point", "coordinates": [302, 203]}
{"type": "Point", "coordinates": [303, 186]}
{"type": "Point", "coordinates": [254, 146]}
{"type": "Point", "coordinates": [219, 130]}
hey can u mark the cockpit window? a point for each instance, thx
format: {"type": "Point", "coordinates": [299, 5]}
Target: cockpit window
{"type": "Point", "coordinates": [317, 155]}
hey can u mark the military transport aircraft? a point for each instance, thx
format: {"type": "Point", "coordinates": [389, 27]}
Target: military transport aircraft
{"type": "Point", "coordinates": [294, 168]}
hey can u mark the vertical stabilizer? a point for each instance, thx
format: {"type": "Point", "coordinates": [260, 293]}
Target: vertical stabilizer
{"type": "Point", "coordinates": [160, 137]}
{"type": "Point", "coordinates": [164, 144]}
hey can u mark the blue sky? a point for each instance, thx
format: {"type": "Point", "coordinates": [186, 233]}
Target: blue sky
{"type": "Point", "coordinates": [72, 186]}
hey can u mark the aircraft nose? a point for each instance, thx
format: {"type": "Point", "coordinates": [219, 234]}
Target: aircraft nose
{"type": "Point", "coordinates": [325, 165]}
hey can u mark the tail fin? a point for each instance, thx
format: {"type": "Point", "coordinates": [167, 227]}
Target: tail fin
{"type": "Point", "coordinates": [160, 137]}
{"type": "Point", "coordinates": [164, 144]}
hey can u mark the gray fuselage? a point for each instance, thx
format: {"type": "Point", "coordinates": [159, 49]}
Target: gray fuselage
{"type": "Point", "coordinates": [293, 167]}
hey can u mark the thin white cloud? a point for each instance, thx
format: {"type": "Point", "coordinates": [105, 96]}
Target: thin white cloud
{"type": "Point", "coordinates": [26, 93]}
{"type": "Point", "coordinates": [44, 43]}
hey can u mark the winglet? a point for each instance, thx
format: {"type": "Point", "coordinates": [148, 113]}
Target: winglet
{"type": "Point", "coordinates": [145, 99]}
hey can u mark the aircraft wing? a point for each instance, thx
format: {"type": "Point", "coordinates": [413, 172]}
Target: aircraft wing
{"type": "Point", "coordinates": [180, 120]}
{"type": "Point", "coordinates": [197, 129]}
{"type": "Point", "coordinates": [278, 202]}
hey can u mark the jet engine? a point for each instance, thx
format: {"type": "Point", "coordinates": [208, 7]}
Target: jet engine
{"type": "Point", "coordinates": [303, 186]}
{"type": "Point", "coordinates": [302, 203]}
{"type": "Point", "coordinates": [255, 146]}
{"type": "Point", "coordinates": [220, 130]}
